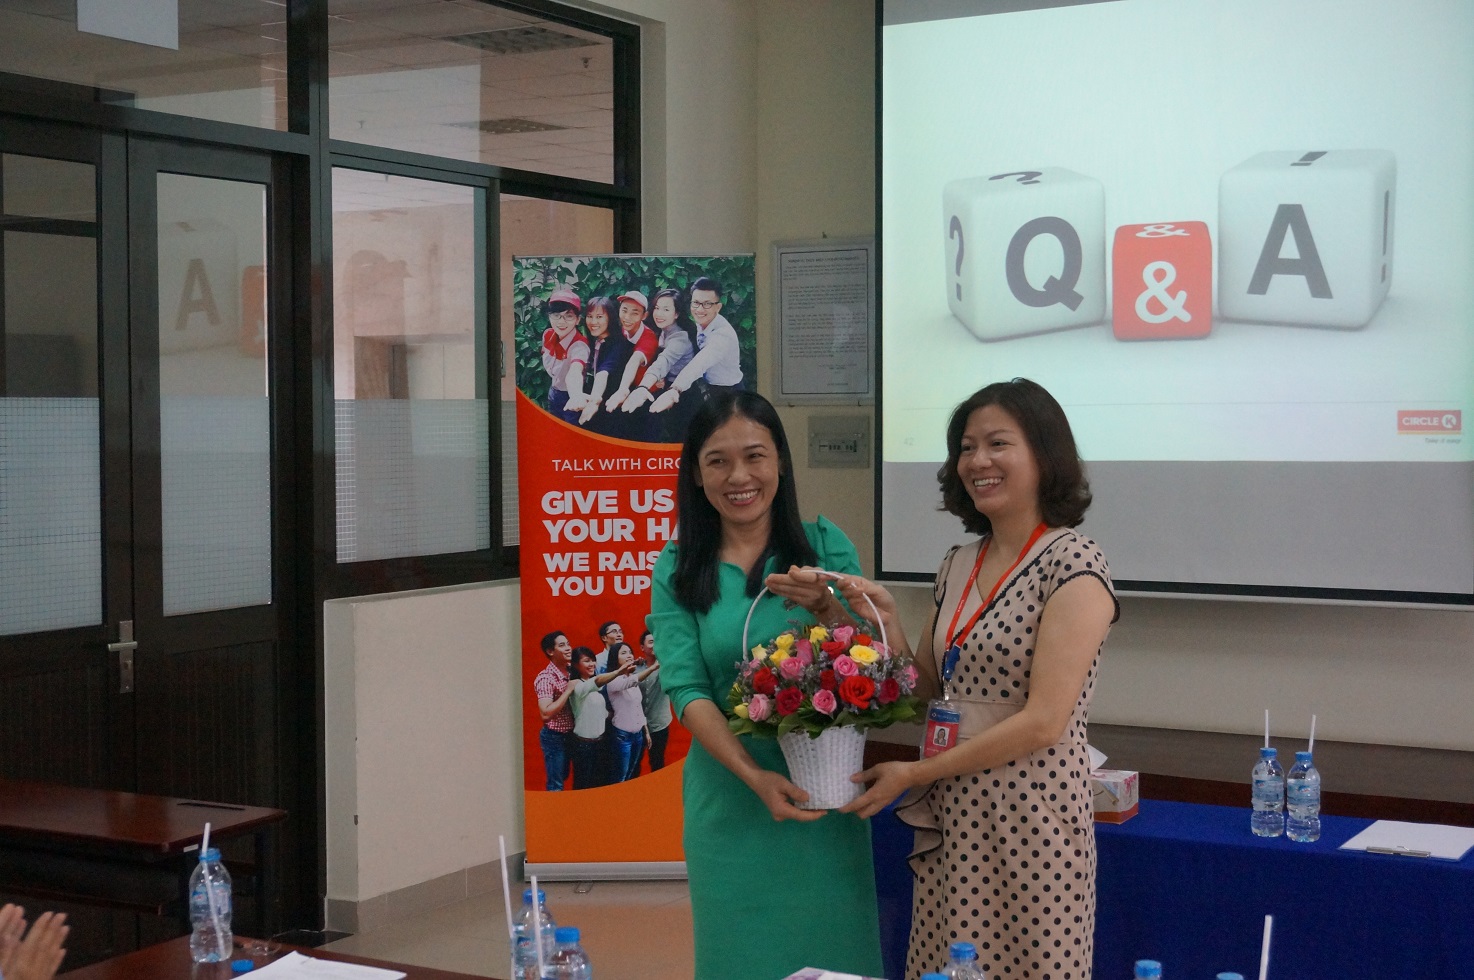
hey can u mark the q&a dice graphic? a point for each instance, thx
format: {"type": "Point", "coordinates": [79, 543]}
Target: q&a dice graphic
{"type": "Point", "coordinates": [1025, 251]}
{"type": "Point", "coordinates": [1162, 281]}
{"type": "Point", "coordinates": [1307, 237]}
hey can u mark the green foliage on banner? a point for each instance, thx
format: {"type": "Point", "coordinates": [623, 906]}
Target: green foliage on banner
{"type": "Point", "coordinates": [534, 279]}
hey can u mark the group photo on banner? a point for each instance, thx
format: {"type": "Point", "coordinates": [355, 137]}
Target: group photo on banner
{"type": "Point", "coordinates": [614, 353]}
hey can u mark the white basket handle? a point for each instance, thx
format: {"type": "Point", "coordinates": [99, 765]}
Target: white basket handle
{"type": "Point", "coordinates": [834, 575]}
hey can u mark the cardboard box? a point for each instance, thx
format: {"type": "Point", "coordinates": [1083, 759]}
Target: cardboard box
{"type": "Point", "coordinates": [1114, 794]}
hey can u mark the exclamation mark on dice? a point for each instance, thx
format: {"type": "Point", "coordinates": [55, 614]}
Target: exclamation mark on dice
{"type": "Point", "coordinates": [1386, 216]}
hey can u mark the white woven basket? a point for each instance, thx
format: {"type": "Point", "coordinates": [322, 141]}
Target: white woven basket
{"type": "Point", "coordinates": [823, 766]}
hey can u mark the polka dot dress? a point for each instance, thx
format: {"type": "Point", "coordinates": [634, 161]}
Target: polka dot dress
{"type": "Point", "coordinates": [1005, 858]}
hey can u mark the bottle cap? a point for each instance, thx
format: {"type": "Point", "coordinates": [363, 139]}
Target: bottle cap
{"type": "Point", "coordinates": [566, 934]}
{"type": "Point", "coordinates": [241, 966]}
{"type": "Point", "coordinates": [964, 951]}
{"type": "Point", "coordinates": [210, 854]}
{"type": "Point", "coordinates": [1302, 756]}
{"type": "Point", "coordinates": [542, 896]}
{"type": "Point", "coordinates": [1148, 968]}
{"type": "Point", "coordinates": [1268, 752]}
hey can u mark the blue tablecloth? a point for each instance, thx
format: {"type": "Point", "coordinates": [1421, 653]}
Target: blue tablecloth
{"type": "Point", "coordinates": [1189, 885]}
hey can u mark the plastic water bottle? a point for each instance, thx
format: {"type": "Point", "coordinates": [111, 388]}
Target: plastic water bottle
{"type": "Point", "coordinates": [524, 953]}
{"type": "Point", "coordinates": [1302, 798]}
{"type": "Point", "coordinates": [569, 961]}
{"type": "Point", "coordinates": [963, 963]}
{"type": "Point", "coordinates": [1269, 795]}
{"type": "Point", "coordinates": [210, 939]}
{"type": "Point", "coordinates": [1148, 970]}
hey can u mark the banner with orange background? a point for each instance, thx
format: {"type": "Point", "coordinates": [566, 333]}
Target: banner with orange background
{"type": "Point", "coordinates": [596, 487]}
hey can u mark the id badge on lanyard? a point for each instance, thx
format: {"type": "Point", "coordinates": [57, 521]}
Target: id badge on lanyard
{"type": "Point", "coordinates": [943, 720]}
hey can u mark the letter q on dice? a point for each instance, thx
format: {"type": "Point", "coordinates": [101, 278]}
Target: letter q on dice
{"type": "Point", "coordinates": [1306, 237]}
{"type": "Point", "coordinates": [1025, 251]}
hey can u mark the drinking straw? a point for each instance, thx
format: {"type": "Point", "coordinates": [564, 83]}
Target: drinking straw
{"type": "Point", "coordinates": [1311, 746]}
{"type": "Point", "coordinates": [537, 929]}
{"type": "Point", "coordinates": [1266, 728]}
{"type": "Point", "coordinates": [1264, 950]}
{"type": "Point", "coordinates": [210, 898]}
{"type": "Point", "coordinates": [501, 841]}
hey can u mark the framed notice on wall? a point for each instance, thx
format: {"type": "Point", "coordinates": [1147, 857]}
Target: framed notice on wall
{"type": "Point", "coordinates": [824, 307]}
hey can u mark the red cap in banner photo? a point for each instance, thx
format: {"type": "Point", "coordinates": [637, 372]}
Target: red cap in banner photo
{"type": "Point", "coordinates": [565, 295]}
{"type": "Point", "coordinates": [595, 512]}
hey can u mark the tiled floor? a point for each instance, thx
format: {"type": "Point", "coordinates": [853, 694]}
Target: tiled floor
{"type": "Point", "coordinates": [632, 930]}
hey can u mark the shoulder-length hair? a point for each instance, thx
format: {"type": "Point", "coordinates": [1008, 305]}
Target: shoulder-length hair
{"type": "Point", "coordinates": [683, 317]}
{"type": "Point", "coordinates": [699, 524]}
{"type": "Point", "coordinates": [1064, 493]}
{"type": "Point", "coordinates": [610, 308]}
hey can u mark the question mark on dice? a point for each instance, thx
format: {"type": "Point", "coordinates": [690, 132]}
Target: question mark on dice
{"type": "Point", "coordinates": [1024, 176]}
{"type": "Point", "coordinates": [956, 232]}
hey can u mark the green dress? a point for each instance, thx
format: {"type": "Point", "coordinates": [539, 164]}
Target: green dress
{"type": "Point", "coordinates": [767, 897]}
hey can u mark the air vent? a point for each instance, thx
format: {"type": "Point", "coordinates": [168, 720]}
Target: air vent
{"type": "Point", "coordinates": [511, 124]}
{"type": "Point", "coordinates": [521, 40]}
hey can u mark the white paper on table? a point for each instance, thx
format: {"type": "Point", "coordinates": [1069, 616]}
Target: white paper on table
{"type": "Point", "coordinates": [1413, 839]}
{"type": "Point", "coordinates": [295, 966]}
{"type": "Point", "coordinates": [1097, 757]}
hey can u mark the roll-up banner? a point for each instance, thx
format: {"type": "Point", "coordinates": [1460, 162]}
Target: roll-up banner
{"type": "Point", "coordinates": [613, 355]}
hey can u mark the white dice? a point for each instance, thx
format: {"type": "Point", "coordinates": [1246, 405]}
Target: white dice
{"type": "Point", "coordinates": [1306, 237]}
{"type": "Point", "coordinates": [1025, 251]}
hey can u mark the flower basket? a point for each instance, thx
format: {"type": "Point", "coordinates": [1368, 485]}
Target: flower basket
{"type": "Point", "coordinates": [817, 690]}
{"type": "Point", "coordinates": [822, 765]}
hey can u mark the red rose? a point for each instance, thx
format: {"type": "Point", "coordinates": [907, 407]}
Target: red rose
{"type": "Point", "coordinates": [857, 691]}
{"type": "Point", "coordinates": [763, 682]}
{"type": "Point", "coordinates": [827, 680]}
{"type": "Point", "coordinates": [790, 699]}
{"type": "Point", "coordinates": [890, 689]}
{"type": "Point", "coordinates": [834, 648]}
{"type": "Point", "coordinates": [864, 640]}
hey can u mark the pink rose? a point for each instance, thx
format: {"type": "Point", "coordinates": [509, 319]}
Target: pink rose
{"type": "Point", "coordinates": [825, 701]}
{"type": "Point", "coordinates": [804, 649]}
{"type": "Point", "coordinates": [845, 667]}
{"type": "Point", "coordinates": [908, 677]}
{"type": "Point", "coordinates": [759, 708]}
{"type": "Point", "coordinates": [844, 634]}
{"type": "Point", "coordinates": [881, 649]}
{"type": "Point", "coordinates": [791, 668]}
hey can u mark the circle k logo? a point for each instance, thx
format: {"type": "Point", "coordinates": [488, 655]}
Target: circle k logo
{"type": "Point", "coordinates": [1424, 420]}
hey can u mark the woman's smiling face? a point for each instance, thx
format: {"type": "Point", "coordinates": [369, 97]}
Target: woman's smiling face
{"type": "Point", "coordinates": [597, 321]}
{"type": "Point", "coordinates": [739, 471]}
{"type": "Point", "coordinates": [665, 312]}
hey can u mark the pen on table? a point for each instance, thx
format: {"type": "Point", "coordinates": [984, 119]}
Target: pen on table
{"type": "Point", "coordinates": [1405, 852]}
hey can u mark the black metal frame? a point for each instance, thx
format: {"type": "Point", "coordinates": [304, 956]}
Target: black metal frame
{"type": "Point", "coordinates": [303, 157]}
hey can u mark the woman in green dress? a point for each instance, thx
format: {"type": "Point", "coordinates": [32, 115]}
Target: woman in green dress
{"type": "Point", "coordinates": [774, 887]}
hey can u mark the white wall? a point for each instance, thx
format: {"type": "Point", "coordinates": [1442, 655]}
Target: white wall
{"type": "Point", "coordinates": [423, 722]}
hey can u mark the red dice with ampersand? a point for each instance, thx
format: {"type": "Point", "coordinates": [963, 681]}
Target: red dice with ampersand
{"type": "Point", "coordinates": [1162, 281]}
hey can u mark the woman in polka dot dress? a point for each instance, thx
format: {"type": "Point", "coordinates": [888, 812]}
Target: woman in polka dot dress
{"type": "Point", "coordinates": [1005, 847]}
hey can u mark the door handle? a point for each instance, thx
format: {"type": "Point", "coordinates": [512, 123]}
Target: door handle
{"type": "Point", "coordinates": [124, 648]}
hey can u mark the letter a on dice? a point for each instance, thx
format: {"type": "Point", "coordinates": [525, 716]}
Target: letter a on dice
{"type": "Point", "coordinates": [1306, 237]}
{"type": "Point", "coordinates": [1025, 251]}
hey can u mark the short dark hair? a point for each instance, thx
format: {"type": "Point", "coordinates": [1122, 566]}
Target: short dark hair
{"type": "Point", "coordinates": [707, 284]}
{"type": "Point", "coordinates": [580, 653]}
{"type": "Point", "coordinates": [699, 526]}
{"type": "Point", "coordinates": [643, 635]}
{"type": "Point", "coordinates": [550, 640]}
{"type": "Point", "coordinates": [604, 627]}
{"type": "Point", "coordinates": [1064, 493]}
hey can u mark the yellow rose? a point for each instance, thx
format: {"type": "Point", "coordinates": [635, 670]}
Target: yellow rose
{"type": "Point", "coordinates": [740, 711]}
{"type": "Point", "coordinates": [779, 656]}
{"type": "Point", "coordinates": [784, 641]}
{"type": "Point", "coordinates": [818, 634]}
{"type": "Point", "coordinates": [864, 655]}
{"type": "Point", "coordinates": [760, 653]}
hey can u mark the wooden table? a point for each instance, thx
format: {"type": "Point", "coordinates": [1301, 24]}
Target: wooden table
{"type": "Point", "coordinates": [123, 850]}
{"type": "Point", "coordinates": [170, 961]}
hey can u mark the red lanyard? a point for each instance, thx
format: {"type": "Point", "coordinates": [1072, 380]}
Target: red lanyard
{"type": "Point", "coordinates": [956, 637]}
